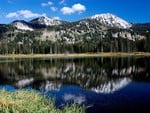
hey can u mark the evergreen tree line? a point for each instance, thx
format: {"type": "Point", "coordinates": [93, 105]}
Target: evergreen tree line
{"type": "Point", "coordinates": [90, 45]}
{"type": "Point", "coordinates": [26, 43]}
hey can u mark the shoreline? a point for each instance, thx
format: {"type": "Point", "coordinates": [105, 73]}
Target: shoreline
{"type": "Point", "coordinates": [77, 55]}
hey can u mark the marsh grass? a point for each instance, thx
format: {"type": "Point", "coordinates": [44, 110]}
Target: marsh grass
{"type": "Point", "coordinates": [76, 55]}
{"type": "Point", "coordinates": [31, 102]}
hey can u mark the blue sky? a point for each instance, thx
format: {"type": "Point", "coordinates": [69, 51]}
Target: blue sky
{"type": "Point", "coordinates": [71, 10]}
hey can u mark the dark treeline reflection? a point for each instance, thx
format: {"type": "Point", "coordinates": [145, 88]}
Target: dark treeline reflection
{"type": "Point", "coordinates": [97, 74]}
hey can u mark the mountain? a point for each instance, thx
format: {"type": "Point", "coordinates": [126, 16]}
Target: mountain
{"type": "Point", "coordinates": [98, 33]}
{"type": "Point", "coordinates": [5, 30]}
{"type": "Point", "coordinates": [46, 21]}
{"type": "Point", "coordinates": [22, 25]}
{"type": "Point", "coordinates": [37, 23]}
{"type": "Point", "coordinates": [107, 20]}
{"type": "Point", "coordinates": [111, 20]}
{"type": "Point", "coordinates": [95, 28]}
{"type": "Point", "coordinates": [142, 28]}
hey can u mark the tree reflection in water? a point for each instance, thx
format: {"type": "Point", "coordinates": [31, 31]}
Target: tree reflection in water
{"type": "Point", "coordinates": [119, 85]}
{"type": "Point", "coordinates": [101, 75]}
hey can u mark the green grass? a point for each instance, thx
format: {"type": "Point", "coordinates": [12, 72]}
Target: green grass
{"type": "Point", "coordinates": [30, 102]}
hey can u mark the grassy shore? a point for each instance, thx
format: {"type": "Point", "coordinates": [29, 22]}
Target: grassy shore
{"type": "Point", "coordinates": [75, 55]}
{"type": "Point", "coordinates": [31, 102]}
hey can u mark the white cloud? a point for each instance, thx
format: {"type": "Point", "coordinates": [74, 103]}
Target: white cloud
{"type": "Point", "coordinates": [76, 8]}
{"type": "Point", "coordinates": [11, 15]}
{"type": "Point", "coordinates": [53, 8]}
{"type": "Point", "coordinates": [57, 18]}
{"type": "Point", "coordinates": [50, 3]}
{"type": "Point", "coordinates": [67, 10]}
{"type": "Point", "coordinates": [23, 13]}
{"type": "Point", "coordinates": [77, 98]}
{"type": "Point", "coordinates": [43, 4]}
{"type": "Point", "coordinates": [62, 2]}
{"type": "Point", "coordinates": [28, 14]}
{"type": "Point", "coordinates": [47, 4]}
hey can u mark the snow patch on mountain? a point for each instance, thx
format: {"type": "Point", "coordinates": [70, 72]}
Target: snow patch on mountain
{"type": "Point", "coordinates": [22, 25]}
{"type": "Point", "coordinates": [47, 21]}
{"type": "Point", "coordinates": [111, 20]}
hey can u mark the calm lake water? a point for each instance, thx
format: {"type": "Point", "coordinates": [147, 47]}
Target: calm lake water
{"type": "Point", "coordinates": [104, 85]}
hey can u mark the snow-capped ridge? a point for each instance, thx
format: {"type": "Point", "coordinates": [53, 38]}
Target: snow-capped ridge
{"type": "Point", "coordinates": [48, 21]}
{"type": "Point", "coordinates": [111, 20]}
{"type": "Point", "coordinates": [22, 25]}
{"type": "Point", "coordinates": [107, 19]}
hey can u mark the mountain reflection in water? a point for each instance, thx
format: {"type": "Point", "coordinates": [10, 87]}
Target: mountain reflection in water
{"type": "Point", "coordinates": [78, 79]}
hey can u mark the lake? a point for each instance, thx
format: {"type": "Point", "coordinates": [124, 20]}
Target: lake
{"type": "Point", "coordinates": [103, 85]}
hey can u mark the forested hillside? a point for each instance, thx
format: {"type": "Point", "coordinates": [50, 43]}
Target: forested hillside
{"type": "Point", "coordinates": [94, 34]}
